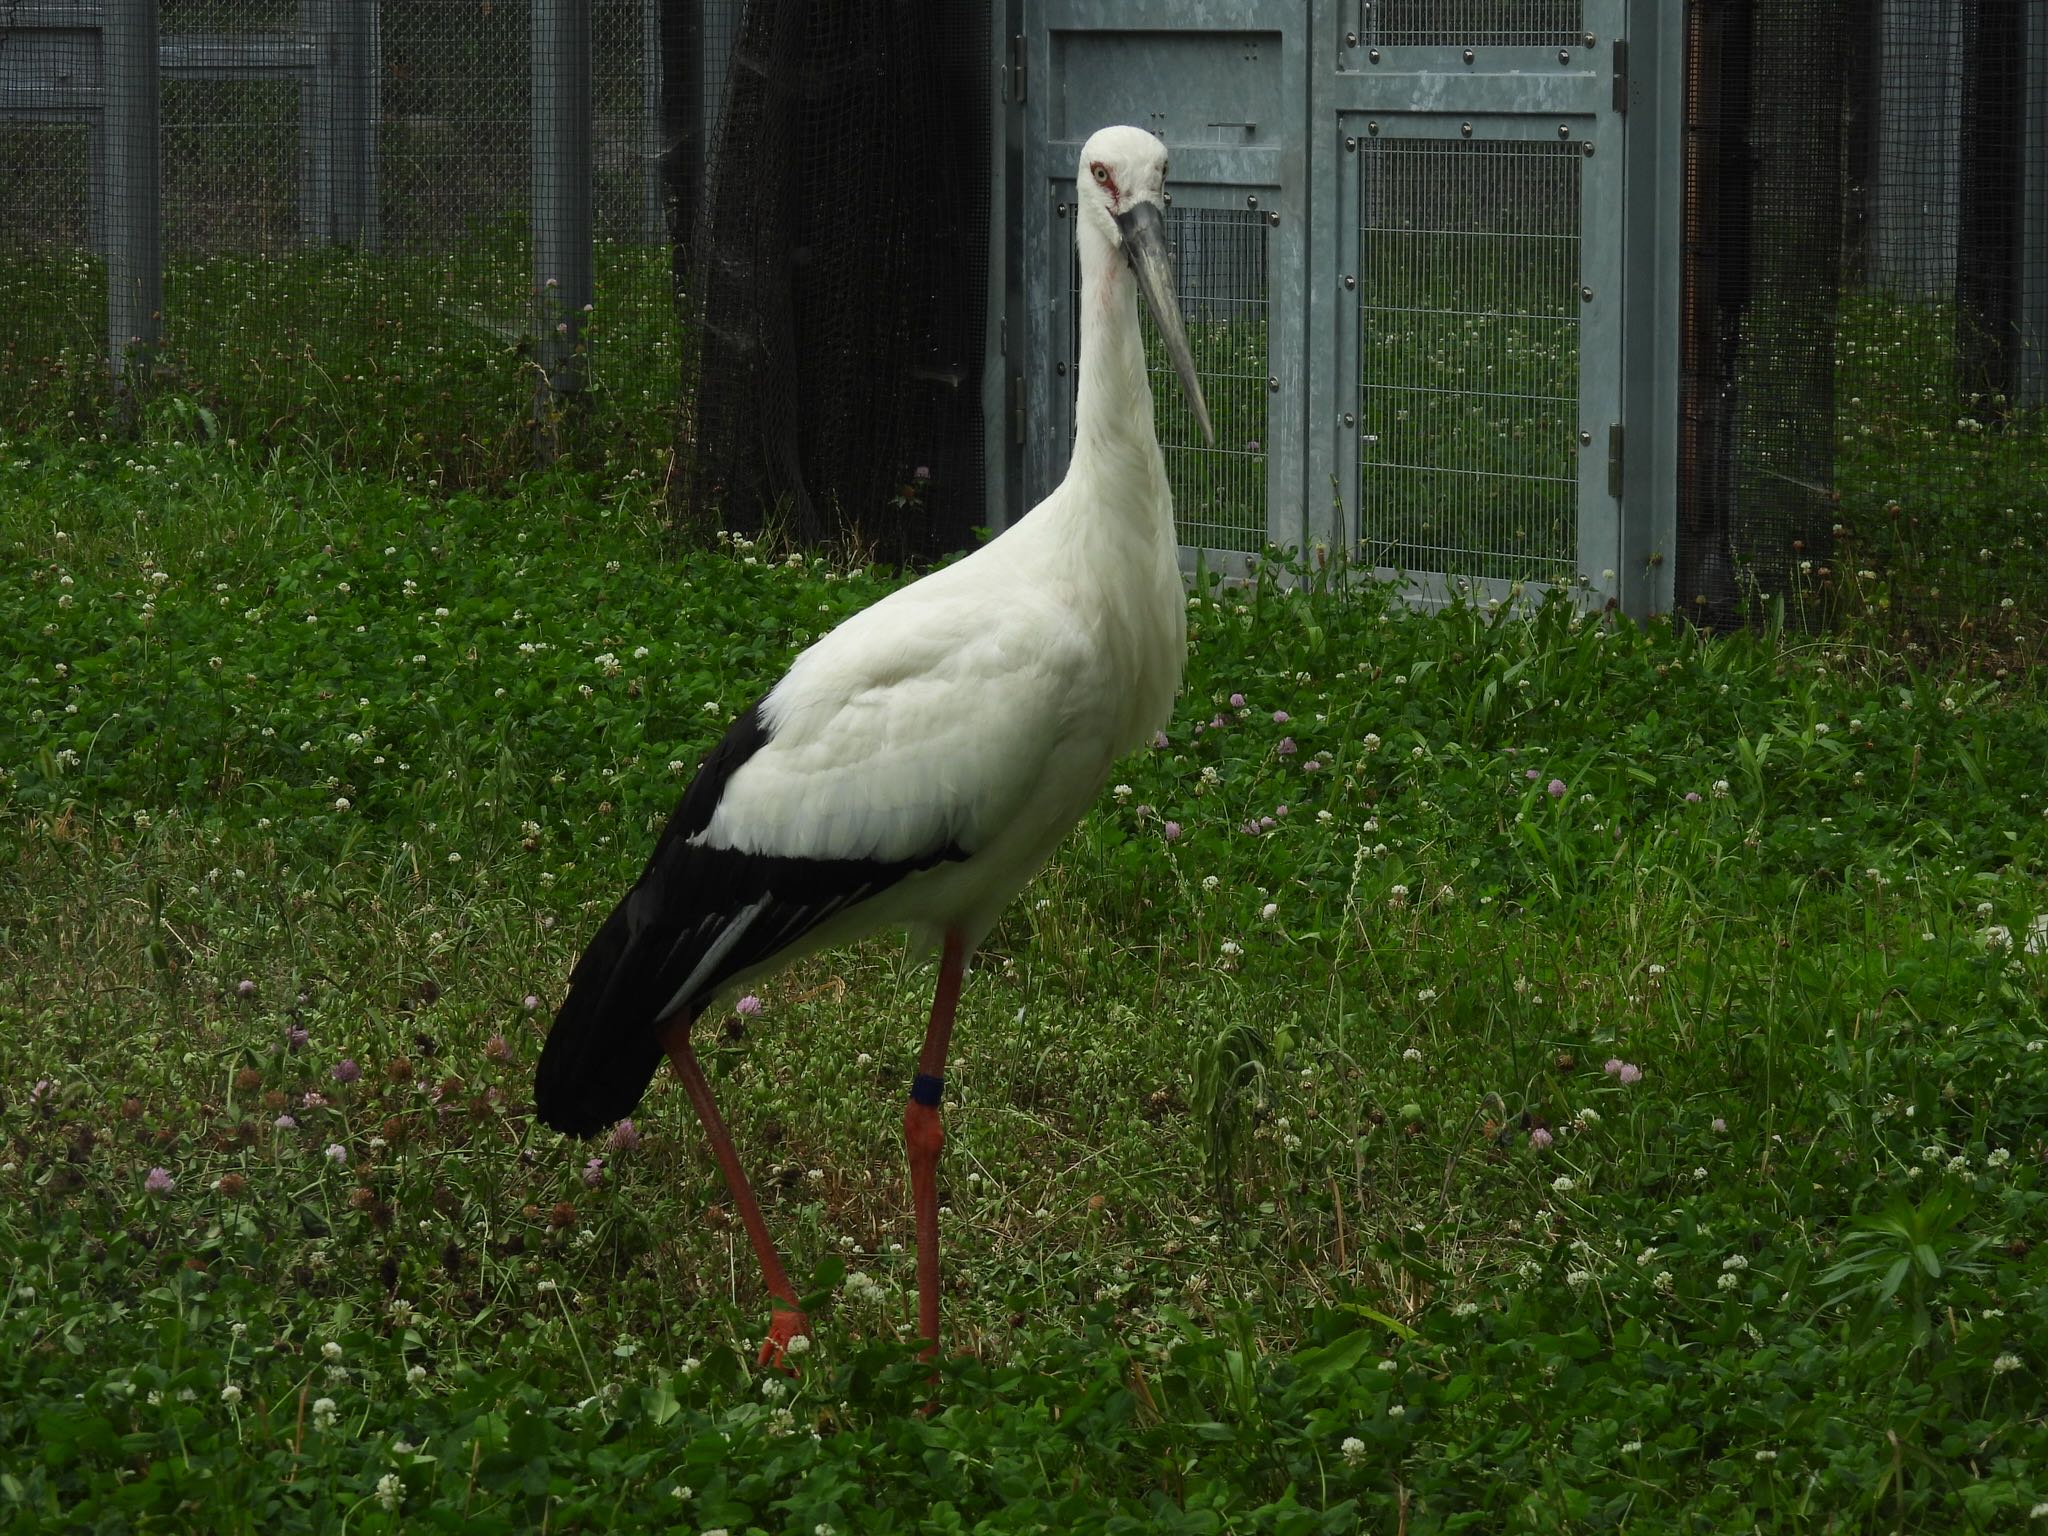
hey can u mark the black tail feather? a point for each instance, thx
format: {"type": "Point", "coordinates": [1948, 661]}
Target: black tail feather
{"type": "Point", "coordinates": [599, 1057]}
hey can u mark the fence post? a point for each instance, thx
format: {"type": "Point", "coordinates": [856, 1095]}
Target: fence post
{"type": "Point", "coordinates": [349, 44]}
{"type": "Point", "coordinates": [133, 222]}
{"type": "Point", "coordinates": [561, 227]}
{"type": "Point", "coordinates": [2033, 254]}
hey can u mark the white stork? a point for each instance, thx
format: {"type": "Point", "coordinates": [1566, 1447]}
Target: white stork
{"type": "Point", "coordinates": [917, 765]}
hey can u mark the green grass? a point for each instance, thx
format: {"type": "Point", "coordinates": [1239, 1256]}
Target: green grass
{"type": "Point", "coordinates": [420, 368]}
{"type": "Point", "coordinates": [1250, 1221]}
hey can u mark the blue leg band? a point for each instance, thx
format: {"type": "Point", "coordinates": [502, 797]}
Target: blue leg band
{"type": "Point", "coordinates": [926, 1090]}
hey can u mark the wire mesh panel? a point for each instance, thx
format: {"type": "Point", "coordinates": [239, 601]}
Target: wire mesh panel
{"type": "Point", "coordinates": [1220, 258]}
{"type": "Point", "coordinates": [1475, 23]}
{"type": "Point", "coordinates": [1468, 347]}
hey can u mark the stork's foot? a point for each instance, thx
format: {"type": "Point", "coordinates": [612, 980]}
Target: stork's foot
{"type": "Point", "coordinates": [785, 1325]}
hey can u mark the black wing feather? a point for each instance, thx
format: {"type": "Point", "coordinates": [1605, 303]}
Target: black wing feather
{"type": "Point", "coordinates": [602, 1051]}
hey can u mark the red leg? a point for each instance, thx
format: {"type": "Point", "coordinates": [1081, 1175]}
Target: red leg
{"type": "Point", "coordinates": [923, 1136]}
{"type": "Point", "coordinates": [788, 1320]}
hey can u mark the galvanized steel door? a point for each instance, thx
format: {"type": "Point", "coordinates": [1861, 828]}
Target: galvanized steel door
{"type": "Point", "coordinates": [1473, 315]}
{"type": "Point", "coordinates": [1223, 85]}
{"type": "Point", "coordinates": [1400, 238]}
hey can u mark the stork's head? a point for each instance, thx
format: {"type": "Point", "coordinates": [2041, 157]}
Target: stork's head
{"type": "Point", "coordinates": [1121, 199]}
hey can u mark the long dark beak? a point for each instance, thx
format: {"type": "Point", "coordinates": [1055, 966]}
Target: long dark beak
{"type": "Point", "coordinates": [1144, 235]}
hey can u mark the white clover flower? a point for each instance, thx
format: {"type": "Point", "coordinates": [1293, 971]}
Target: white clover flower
{"type": "Point", "coordinates": [1728, 1282]}
{"type": "Point", "coordinates": [1411, 1054]}
{"type": "Point", "coordinates": [415, 1374]}
{"type": "Point", "coordinates": [1998, 1157]}
{"type": "Point", "coordinates": [1663, 1283]}
{"type": "Point", "coordinates": [1465, 1309]}
{"type": "Point", "coordinates": [1766, 1455]}
{"type": "Point", "coordinates": [1352, 1450]}
{"type": "Point", "coordinates": [2005, 1363]}
{"type": "Point", "coordinates": [1372, 742]}
{"type": "Point", "coordinates": [390, 1490]}
{"type": "Point", "coordinates": [1390, 1365]}
{"type": "Point", "coordinates": [330, 1351]}
{"type": "Point", "coordinates": [231, 1394]}
{"type": "Point", "coordinates": [1397, 1412]}
{"type": "Point", "coordinates": [1210, 882]}
{"type": "Point", "coordinates": [1564, 1184]}
{"type": "Point", "coordinates": [324, 1413]}
{"type": "Point", "coordinates": [1578, 1279]}
{"type": "Point", "coordinates": [1735, 1261]}
{"type": "Point", "coordinates": [1231, 948]}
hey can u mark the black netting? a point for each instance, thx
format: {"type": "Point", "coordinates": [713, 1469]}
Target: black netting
{"type": "Point", "coordinates": [840, 279]}
{"type": "Point", "coordinates": [1760, 294]}
{"type": "Point", "coordinates": [1944, 368]}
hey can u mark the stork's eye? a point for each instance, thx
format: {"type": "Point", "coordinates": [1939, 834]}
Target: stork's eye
{"type": "Point", "coordinates": [1101, 175]}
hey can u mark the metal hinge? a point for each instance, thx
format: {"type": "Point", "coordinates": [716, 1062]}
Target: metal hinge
{"type": "Point", "coordinates": [1614, 453]}
{"type": "Point", "coordinates": [1620, 49]}
{"type": "Point", "coordinates": [1017, 75]}
{"type": "Point", "coordinates": [1017, 411]}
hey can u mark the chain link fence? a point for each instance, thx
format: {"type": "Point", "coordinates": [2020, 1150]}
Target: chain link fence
{"type": "Point", "coordinates": [347, 228]}
{"type": "Point", "coordinates": [402, 235]}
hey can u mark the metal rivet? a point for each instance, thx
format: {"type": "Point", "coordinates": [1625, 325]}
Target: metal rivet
{"type": "Point", "coordinates": [1586, 294]}
{"type": "Point", "coordinates": [1351, 146]}
{"type": "Point", "coordinates": [1585, 439]}
{"type": "Point", "coordinates": [1373, 128]}
{"type": "Point", "coordinates": [1350, 39]}
{"type": "Point", "coordinates": [1273, 219]}
{"type": "Point", "coordinates": [1465, 129]}
{"type": "Point", "coordinates": [1564, 130]}
{"type": "Point", "coordinates": [1061, 211]}
{"type": "Point", "coordinates": [1350, 281]}
{"type": "Point", "coordinates": [1373, 54]}
{"type": "Point", "coordinates": [1273, 385]}
{"type": "Point", "coordinates": [1252, 201]}
{"type": "Point", "coordinates": [1588, 40]}
{"type": "Point", "coordinates": [1564, 55]}
{"type": "Point", "coordinates": [1061, 370]}
{"type": "Point", "coordinates": [1468, 55]}
{"type": "Point", "coordinates": [1588, 148]}
{"type": "Point", "coordinates": [1350, 420]}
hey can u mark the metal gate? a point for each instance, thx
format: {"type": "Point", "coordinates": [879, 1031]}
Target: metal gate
{"type": "Point", "coordinates": [1401, 240]}
{"type": "Point", "coordinates": [1222, 85]}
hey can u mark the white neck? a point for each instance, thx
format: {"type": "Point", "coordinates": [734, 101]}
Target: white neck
{"type": "Point", "coordinates": [1113, 409]}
